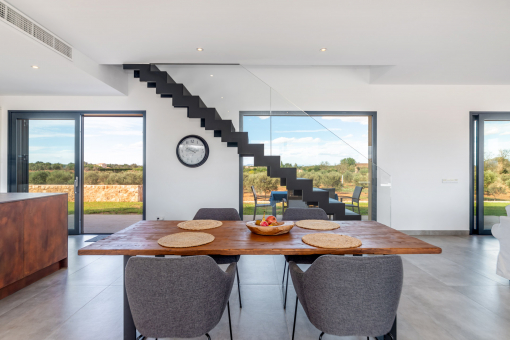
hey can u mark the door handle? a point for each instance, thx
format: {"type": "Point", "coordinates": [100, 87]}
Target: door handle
{"type": "Point", "coordinates": [76, 186]}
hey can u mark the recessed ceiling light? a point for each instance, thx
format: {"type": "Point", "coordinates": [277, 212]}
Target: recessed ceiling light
{"type": "Point", "coordinates": [35, 66]}
{"type": "Point", "coordinates": [211, 75]}
{"type": "Point", "coordinates": [200, 49]}
{"type": "Point", "coordinates": [221, 97]}
{"type": "Point", "coordinates": [323, 50]}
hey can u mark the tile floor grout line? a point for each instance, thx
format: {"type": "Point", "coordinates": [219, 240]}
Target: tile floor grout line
{"type": "Point", "coordinates": [79, 309]}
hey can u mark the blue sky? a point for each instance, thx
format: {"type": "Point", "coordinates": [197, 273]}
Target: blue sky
{"type": "Point", "coordinates": [297, 139]}
{"type": "Point", "coordinates": [497, 136]}
{"type": "Point", "coordinates": [308, 141]}
{"type": "Point", "coordinates": [117, 140]}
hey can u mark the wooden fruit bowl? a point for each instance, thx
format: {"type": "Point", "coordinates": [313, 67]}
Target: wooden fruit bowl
{"type": "Point", "coordinates": [270, 231]}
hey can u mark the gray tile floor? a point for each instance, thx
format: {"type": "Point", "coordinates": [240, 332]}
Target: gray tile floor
{"type": "Point", "coordinates": [455, 295]}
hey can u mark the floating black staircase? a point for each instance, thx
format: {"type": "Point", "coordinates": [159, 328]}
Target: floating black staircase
{"type": "Point", "coordinates": [224, 129]}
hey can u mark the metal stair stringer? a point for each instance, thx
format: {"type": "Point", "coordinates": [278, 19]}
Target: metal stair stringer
{"type": "Point", "coordinates": [210, 119]}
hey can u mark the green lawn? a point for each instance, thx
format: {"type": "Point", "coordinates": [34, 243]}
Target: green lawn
{"type": "Point", "coordinates": [248, 209]}
{"type": "Point", "coordinates": [111, 208]}
{"type": "Point", "coordinates": [495, 208]}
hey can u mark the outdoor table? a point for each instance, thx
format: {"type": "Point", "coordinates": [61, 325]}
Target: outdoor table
{"type": "Point", "coordinates": [277, 197]}
{"type": "Point", "coordinates": [234, 238]}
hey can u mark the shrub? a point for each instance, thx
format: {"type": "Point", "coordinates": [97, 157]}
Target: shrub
{"type": "Point", "coordinates": [38, 177]}
{"type": "Point", "coordinates": [348, 177]}
{"type": "Point", "coordinates": [358, 178]}
{"type": "Point", "coordinates": [91, 178]}
{"type": "Point", "coordinates": [332, 180]}
{"type": "Point", "coordinates": [60, 177]}
{"type": "Point", "coordinates": [363, 171]}
{"type": "Point", "coordinates": [496, 189]}
{"type": "Point", "coordinates": [489, 178]}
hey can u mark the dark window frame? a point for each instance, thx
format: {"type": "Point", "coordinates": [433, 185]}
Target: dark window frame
{"type": "Point", "coordinates": [77, 115]}
{"type": "Point", "coordinates": [373, 114]}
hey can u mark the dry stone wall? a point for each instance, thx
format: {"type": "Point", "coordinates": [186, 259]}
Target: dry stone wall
{"type": "Point", "coordinates": [96, 193]}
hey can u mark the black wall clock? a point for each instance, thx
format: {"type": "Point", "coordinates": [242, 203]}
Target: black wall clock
{"type": "Point", "coordinates": [192, 151]}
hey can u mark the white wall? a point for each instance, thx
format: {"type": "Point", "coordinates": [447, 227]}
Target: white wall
{"type": "Point", "coordinates": [173, 190]}
{"type": "Point", "coordinates": [423, 137]}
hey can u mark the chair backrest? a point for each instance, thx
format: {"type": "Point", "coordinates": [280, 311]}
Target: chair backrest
{"type": "Point", "coordinates": [219, 214]}
{"type": "Point", "coordinates": [254, 194]}
{"type": "Point", "coordinates": [356, 194]}
{"type": "Point", "coordinates": [332, 192]}
{"type": "Point", "coordinates": [507, 208]}
{"type": "Point", "coordinates": [177, 297]}
{"type": "Point", "coordinates": [351, 296]}
{"type": "Point", "coordinates": [298, 214]}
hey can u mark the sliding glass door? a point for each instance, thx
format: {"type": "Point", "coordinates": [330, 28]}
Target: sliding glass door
{"type": "Point", "coordinates": [45, 157]}
{"type": "Point", "coordinates": [490, 169]}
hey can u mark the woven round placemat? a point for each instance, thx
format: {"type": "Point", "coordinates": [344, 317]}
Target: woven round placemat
{"type": "Point", "coordinates": [317, 225]}
{"type": "Point", "coordinates": [199, 224]}
{"type": "Point", "coordinates": [326, 240]}
{"type": "Point", "coordinates": [185, 240]}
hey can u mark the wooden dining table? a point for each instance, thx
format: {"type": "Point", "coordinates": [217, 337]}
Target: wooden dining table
{"type": "Point", "coordinates": [234, 238]}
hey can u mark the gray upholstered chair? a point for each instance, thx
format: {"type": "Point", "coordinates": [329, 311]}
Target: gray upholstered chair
{"type": "Point", "coordinates": [298, 214]}
{"type": "Point", "coordinates": [350, 296]}
{"type": "Point", "coordinates": [354, 199]}
{"type": "Point", "coordinates": [257, 205]}
{"type": "Point", "coordinates": [177, 297]}
{"type": "Point", "coordinates": [222, 214]}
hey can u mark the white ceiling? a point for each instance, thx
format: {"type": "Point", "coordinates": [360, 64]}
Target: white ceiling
{"type": "Point", "coordinates": [56, 75]}
{"type": "Point", "coordinates": [416, 41]}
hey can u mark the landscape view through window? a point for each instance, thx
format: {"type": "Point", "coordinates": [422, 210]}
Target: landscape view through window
{"type": "Point", "coordinates": [331, 150]}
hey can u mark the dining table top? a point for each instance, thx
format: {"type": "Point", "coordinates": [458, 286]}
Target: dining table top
{"type": "Point", "coordinates": [234, 238]}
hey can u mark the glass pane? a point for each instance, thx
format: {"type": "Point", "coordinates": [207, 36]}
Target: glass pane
{"type": "Point", "coordinates": [51, 156]}
{"type": "Point", "coordinates": [327, 153]}
{"type": "Point", "coordinates": [496, 174]}
{"type": "Point", "coordinates": [113, 173]}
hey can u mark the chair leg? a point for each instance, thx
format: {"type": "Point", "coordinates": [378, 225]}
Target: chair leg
{"type": "Point", "coordinates": [208, 337]}
{"type": "Point", "coordinates": [286, 288]}
{"type": "Point", "coordinates": [283, 277]}
{"type": "Point", "coordinates": [229, 322]}
{"type": "Point", "coordinates": [320, 336]}
{"type": "Point", "coordinates": [239, 287]}
{"type": "Point", "coordinates": [295, 314]}
{"type": "Point", "coordinates": [254, 211]}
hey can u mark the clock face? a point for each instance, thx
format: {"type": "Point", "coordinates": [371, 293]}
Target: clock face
{"type": "Point", "coordinates": [192, 151]}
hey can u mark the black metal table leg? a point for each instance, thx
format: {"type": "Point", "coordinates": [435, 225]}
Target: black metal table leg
{"type": "Point", "coordinates": [129, 325]}
{"type": "Point", "coordinates": [393, 332]}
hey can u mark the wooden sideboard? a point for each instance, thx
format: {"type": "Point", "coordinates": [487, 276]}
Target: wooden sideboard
{"type": "Point", "coordinates": [33, 238]}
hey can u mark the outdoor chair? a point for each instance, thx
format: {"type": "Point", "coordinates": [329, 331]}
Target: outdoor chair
{"type": "Point", "coordinates": [354, 199]}
{"type": "Point", "coordinates": [350, 296]}
{"type": "Point", "coordinates": [256, 204]}
{"type": "Point", "coordinates": [222, 214]}
{"type": "Point", "coordinates": [298, 214]}
{"type": "Point", "coordinates": [177, 297]}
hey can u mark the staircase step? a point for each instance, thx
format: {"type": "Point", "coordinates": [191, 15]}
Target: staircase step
{"type": "Point", "coordinates": [241, 138]}
{"type": "Point", "coordinates": [185, 101]}
{"type": "Point", "coordinates": [250, 150]}
{"type": "Point", "coordinates": [197, 112]}
{"type": "Point", "coordinates": [221, 125]}
{"type": "Point", "coordinates": [269, 161]}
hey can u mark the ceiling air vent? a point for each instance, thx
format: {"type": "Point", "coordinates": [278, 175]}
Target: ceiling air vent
{"type": "Point", "coordinates": [35, 30]}
{"type": "Point", "coordinates": [2, 10]}
{"type": "Point", "coordinates": [19, 21]}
